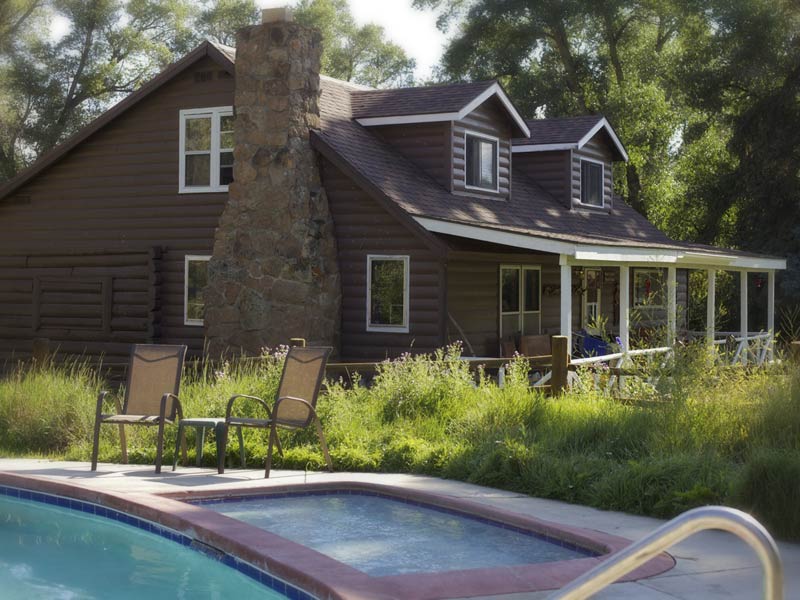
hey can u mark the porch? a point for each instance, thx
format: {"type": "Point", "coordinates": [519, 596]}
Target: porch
{"type": "Point", "coordinates": [605, 299]}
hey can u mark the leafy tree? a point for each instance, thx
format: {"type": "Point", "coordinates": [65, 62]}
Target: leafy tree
{"type": "Point", "coordinates": [219, 20]}
{"type": "Point", "coordinates": [52, 87]}
{"type": "Point", "coordinates": [360, 54]}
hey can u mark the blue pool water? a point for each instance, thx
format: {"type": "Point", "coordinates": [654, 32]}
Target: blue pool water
{"type": "Point", "coordinates": [382, 536]}
{"type": "Point", "coordinates": [49, 552]}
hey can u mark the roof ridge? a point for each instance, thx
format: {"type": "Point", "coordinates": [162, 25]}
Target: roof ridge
{"type": "Point", "coordinates": [433, 86]}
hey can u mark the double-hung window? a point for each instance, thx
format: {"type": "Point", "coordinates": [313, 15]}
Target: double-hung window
{"type": "Point", "coordinates": [195, 278]}
{"type": "Point", "coordinates": [206, 149]}
{"type": "Point", "coordinates": [591, 183]}
{"type": "Point", "coordinates": [387, 293]}
{"type": "Point", "coordinates": [481, 162]}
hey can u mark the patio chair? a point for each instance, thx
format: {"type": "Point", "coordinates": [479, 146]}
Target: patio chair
{"type": "Point", "coordinates": [535, 345]}
{"type": "Point", "coordinates": [295, 402]}
{"type": "Point", "coordinates": [151, 396]}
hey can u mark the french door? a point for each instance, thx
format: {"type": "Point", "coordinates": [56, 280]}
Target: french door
{"type": "Point", "coordinates": [520, 301]}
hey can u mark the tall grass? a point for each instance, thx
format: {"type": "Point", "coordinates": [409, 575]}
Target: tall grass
{"type": "Point", "coordinates": [701, 435]}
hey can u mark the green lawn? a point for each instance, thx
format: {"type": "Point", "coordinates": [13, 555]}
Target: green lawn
{"type": "Point", "coordinates": [702, 436]}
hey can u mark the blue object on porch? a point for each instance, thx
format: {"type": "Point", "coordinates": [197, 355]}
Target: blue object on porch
{"type": "Point", "coordinates": [593, 346]}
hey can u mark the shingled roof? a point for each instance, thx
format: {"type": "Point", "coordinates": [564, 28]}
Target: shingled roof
{"type": "Point", "coordinates": [530, 210]}
{"type": "Point", "coordinates": [416, 100]}
{"type": "Point", "coordinates": [567, 132]}
{"type": "Point", "coordinates": [559, 130]}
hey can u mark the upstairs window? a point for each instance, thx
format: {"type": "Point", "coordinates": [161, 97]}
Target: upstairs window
{"type": "Point", "coordinates": [195, 278]}
{"type": "Point", "coordinates": [591, 183]}
{"type": "Point", "coordinates": [206, 149]}
{"type": "Point", "coordinates": [387, 293]}
{"type": "Point", "coordinates": [481, 162]}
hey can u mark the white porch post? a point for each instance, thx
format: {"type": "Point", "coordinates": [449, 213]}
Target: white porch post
{"type": "Point", "coordinates": [624, 307]}
{"type": "Point", "coordinates": [743, 327]}
{"type": "Point", "coordinates": [771, 309]}
{"type": "Point", "coordinates": [672, 306]}
{"type": "Point", "coordinates": [566, 298]}
{"type": "Point", "coordinates": [710, 306]}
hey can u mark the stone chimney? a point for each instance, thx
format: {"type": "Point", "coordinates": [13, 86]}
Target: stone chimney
{"type": "Point", "coordinates": [274, 272]}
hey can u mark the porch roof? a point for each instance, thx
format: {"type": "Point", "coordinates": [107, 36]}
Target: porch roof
{"type": "Point", "coordinates": [531, 218]}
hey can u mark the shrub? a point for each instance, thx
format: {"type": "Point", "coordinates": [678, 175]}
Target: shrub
{"type": "Point", "coordinates": [44, 409]}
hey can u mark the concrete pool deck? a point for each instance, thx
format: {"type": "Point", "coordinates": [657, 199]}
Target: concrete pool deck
{"type": "Point", "coordinates": [709, 565]}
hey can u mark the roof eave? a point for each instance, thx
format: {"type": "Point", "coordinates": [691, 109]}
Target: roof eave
{"type": "Point", "coordinates": [599, 253]}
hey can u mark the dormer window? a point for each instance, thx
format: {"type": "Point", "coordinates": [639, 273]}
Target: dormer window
{"type": "Point", "coordinates": [481, 163]}
{"type": "Point", "coordinates": [591, 183]}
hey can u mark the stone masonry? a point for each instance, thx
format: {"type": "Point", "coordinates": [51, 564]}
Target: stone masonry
{"type": "Point", "coordinates": [274, 272]}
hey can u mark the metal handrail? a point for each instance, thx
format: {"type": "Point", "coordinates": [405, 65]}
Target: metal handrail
{"type": "Point", "coordinates": [674, 531]}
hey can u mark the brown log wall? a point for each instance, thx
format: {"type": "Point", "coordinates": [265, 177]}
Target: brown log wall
{"type": "Point", "coordinates": [427, 145]}
{"type": "Point", "coordinates": [364, 227]}
{"type": "Point", "coordinates": [115, 195]}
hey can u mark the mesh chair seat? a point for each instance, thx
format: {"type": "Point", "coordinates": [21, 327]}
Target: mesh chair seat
{"type": "Point", "coordinates": [130, 419]}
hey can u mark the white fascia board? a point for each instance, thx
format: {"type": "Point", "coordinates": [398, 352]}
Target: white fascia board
{"type": "Point", "coordinates": [496, 90]}
{"type": "Point", "coordinates": [616, 254]}
{"type": "Point", "coordinates": [757, 263]}
{"type": "Point", "coordinates": [587, 253]}
{"type": "Point", "coordinates": [407, 119]}
{"type": "Point", "coordinates": [604, 124]}
{"type": "Point", "coordinates": [505, 238]}
{"type": "Point", "coordinates": [541, 147]}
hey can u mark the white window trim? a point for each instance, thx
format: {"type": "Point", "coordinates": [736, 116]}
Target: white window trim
{"type": "Point", "coordinates": [660, 276]}
{"type": "Point", "coordinates": [187, 259]}
{"type": "Point", "coordinates": [490, 138]}
{"type": "Point", "coordinates": [406, 289]}
{"type": "Point", "coordinates": [216, 113]}
{"type": "Point", "coordinates": [521, 312]}
{"type": "Point", "coordinates": [602, 182]}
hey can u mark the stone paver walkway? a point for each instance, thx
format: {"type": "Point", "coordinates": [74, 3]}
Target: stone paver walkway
{"type": "Point", "coordinates": [709, 565]}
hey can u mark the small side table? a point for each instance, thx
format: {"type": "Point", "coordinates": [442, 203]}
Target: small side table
{"type": "Point", "coordinates": [220, 435]}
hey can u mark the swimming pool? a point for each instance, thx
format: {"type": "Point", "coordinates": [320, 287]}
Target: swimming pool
{"type": "Point", "coordinates": [380, 535]}
{"type": "Point", "coordinates": [302, 572]}
{"type": "Point", "coordinates": [50, 551]}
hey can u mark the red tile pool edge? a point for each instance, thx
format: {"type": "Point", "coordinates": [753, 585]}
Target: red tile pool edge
{"type": "Point", "coordinates": [325, 577]}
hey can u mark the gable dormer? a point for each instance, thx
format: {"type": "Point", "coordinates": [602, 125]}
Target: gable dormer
{"type": "Point", "coordinates": [459, 134]}
{"type": "Point", "coordinates": [572, 159]}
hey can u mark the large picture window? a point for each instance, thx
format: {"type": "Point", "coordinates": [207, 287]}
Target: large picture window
{"type": "Point", "coordinates": [387, 293]}
{"type": "Point", "coordinates": [648, 288]}
{"type": "Point", "coordinates": [591, 183]}
{"type": "Point", "coordinates": [206, 149]}
{"type": "Point", "coordinates": [195, 278]}
{"type": "Point", "coordinates": [481, 162]}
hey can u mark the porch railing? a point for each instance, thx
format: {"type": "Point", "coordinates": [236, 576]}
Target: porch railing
{"type": "Point", "coordinates": [755, 348]}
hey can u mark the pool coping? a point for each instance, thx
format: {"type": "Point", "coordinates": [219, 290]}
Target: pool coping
{"type": "Point", "coordinates": [327, 578]}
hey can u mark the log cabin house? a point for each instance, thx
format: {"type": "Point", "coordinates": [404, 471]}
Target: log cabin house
{"type": "Point", "coordinates": [240, 199]}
